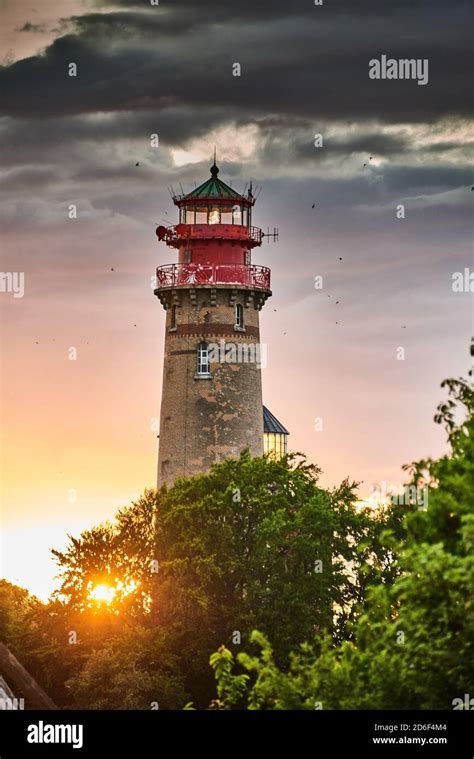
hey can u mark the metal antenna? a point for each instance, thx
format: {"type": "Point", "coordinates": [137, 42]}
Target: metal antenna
{"type": "Point", "coordinates": [273, 234]}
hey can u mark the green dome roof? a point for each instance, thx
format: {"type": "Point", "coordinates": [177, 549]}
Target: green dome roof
{"type": "Point", "coordinates": [213, 188]}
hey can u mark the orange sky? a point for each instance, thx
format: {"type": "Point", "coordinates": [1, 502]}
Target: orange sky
{"type": "Point", "coordinates": [87, 425]}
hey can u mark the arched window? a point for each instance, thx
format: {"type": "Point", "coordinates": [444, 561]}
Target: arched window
{"type": "Point", "coordinates": [173, 317]}
{"type": "Point", "coordinates": [203, 365]}
{"type": "Point", "coordinates": [239, 316]}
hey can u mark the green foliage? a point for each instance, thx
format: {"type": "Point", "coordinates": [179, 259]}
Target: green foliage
{"type": "Point", "coordinates": [413, 644]}
{"type": "Point", "coordinates": [128, 672]}
{"type": "Point", "coordinates": [237, 549]}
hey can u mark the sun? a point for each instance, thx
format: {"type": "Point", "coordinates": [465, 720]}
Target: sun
{"type": "Point", "coordinates": [103, 594]}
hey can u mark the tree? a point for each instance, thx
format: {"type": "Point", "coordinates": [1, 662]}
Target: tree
{"type": "Point", "coordinates": [253, 543]}
{"type": "Point", "coordinates": [413, 644]}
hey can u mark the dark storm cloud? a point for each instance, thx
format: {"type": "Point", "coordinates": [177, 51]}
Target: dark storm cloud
{"type": "Point", "coordinates": [296, 59]}
{"type": "Point", "coordinates": [58, 140]}
{"type": "Point", "coordinates": [372, 142]}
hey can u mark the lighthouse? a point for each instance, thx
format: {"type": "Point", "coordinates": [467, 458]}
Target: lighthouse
{"type": "Point", "coordinates": [211, 403]}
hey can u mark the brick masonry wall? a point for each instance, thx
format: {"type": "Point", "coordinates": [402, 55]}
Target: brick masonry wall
{"type": "Point", "coordinates": [204, 421]}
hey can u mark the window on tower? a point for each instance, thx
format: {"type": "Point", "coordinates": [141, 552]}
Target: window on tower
{"type": "Point", "coordinates": [239, 316]}
{"type": "Point", "coordinates": [236, 215]}
{"type": "Point", "coordinates": [214, 216]}
{"type": "Point", "coordinates": [173, 317]}
{"type": "Point", "coordinates": [187, 215]}
{"type": "Point", "coordinates": [203, 364]}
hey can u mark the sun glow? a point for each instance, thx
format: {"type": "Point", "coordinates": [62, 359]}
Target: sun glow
{"type": "Point", "coordinates": [102, 594]}
{"type": "Point", "coordinates": [106, 594]}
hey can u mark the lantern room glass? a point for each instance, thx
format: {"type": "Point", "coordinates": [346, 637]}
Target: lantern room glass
{"type": "Point", "coordinates": [209, 213]}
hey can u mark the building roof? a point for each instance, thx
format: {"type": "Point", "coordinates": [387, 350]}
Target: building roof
{"type": "Point", "coordinates": [213, 188]}
{"type": "Point", "coordinates": [271, 423]}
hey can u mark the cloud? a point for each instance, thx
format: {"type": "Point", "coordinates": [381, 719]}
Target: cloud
{"type": "Point", "coordinates": [29, 27]}
{"type": "Point", "coordinates": [143, 60]}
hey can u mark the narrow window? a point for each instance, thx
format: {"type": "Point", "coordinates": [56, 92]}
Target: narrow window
{"type": "Point", "coordinates": [203, 366]}
{"type": "Point", "coordinates": [173, 317]}
{"type": "Point", "coordinates": [214, 215]}
{"type": "Point", "coordinates": [239, 316]}
{"type": "Point", "coordinates": [236, 215]}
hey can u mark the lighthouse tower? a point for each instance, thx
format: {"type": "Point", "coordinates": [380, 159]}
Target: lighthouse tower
{"type": "Point", "coordinates": [211, 405]}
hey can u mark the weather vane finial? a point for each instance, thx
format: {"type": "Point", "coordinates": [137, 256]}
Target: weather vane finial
{"type": "Point", "coordinates": [214, 169]}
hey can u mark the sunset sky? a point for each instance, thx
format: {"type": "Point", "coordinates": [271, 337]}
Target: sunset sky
{"type": "Point", "coordinates": [78, 436]}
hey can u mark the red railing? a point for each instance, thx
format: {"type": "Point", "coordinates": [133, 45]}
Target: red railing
{"type": "Point", "coordinates": [181, 232]}
{"type": "Point", "coordinates": [183, 275]}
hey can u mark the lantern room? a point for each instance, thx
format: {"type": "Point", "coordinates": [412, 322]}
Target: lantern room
{"type": "Point", "coordinates": [215, 202]}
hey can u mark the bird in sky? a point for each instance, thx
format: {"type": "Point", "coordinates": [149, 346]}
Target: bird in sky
{"type": "Point", "coordinates": [313, 205]}
{"type": "Point", "coordinates": [137, 163]}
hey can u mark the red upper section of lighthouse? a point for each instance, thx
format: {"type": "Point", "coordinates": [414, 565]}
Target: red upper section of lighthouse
{"type": "Point", "coordinates": [214, 239]}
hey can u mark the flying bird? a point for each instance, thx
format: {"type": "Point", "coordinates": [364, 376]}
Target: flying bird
{"type": "Point", "coordinates": [337, 302]}
{"type": "Point", "coordinates": [340, 259]}
{"type": "Point", "coordinates": [313, 205]}
{"type": "Point", "coordinates": [112, 269]}
{"type": "Point", "coordinates": [137, 163]}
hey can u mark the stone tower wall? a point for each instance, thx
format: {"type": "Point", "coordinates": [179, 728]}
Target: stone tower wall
{"type": "Point", "coordinates": [204, 421]}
